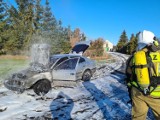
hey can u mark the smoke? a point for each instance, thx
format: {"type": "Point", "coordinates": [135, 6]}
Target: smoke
{"type": "Point", "coordinates": [40, 53]}
{"type": "Point", "coordinates": [39, 49]}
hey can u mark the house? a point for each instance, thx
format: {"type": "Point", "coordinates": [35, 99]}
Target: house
{"type": "Point", "coordinates": [108, 46]}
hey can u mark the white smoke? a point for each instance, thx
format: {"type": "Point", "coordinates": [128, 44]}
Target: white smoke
{"type": "Point", "coordinates": [40, 53]}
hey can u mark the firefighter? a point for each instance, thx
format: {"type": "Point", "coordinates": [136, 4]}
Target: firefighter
{"type": "Point", "coordinates": [143, 77]}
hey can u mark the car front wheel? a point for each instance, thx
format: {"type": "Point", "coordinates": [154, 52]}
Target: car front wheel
{"type": "Point", "coordinates": [42, 87]}
{"type": "Point", "coordinates": [86, 75]}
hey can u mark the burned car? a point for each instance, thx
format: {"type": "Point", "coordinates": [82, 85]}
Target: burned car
{"type": "Point", "coordinates": [45, 69]}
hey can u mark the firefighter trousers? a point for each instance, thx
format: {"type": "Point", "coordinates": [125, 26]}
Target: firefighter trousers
{"type": "Point", "coordinates": [141, 105]}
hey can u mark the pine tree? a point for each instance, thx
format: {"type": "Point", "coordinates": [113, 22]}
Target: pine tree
{"type": "Point", "coordinates": [136, 41]}
{"type": "Point", "coordinates": [132, 44]}
{"type": "Point", "coordinates": [3, 25]}
{"type": "Point", "coordinates": [122, 42]}
{"type": "Point", "coordinates": [38, 15]}
{"type": "Point", "coordinates": [49, 21]}
{"type": "Point", "coordinates": [21, 26]}
{"type": "Point", "coordinates": [83, 37]}
{"type": "Point", "coordinates": [2, 11]}
{"type": "Point", "coordinates": [29, 18]}
{"type": "Point", "coordinates": [65, 45]}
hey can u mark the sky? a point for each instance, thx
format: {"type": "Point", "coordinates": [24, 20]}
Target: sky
{"type": "Point", "coordinates": [108, 18]}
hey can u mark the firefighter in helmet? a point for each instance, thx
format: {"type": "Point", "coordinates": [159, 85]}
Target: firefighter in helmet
{"type": "Point", "coordinates": [143, 77]}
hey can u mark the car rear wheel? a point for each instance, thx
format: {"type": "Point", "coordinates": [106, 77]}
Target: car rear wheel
{"type": "Point", "coordinates": [86, 75]}
{"type": "Point", "coordinates": [42, 87]}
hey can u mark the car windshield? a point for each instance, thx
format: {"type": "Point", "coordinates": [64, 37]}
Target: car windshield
{"type": "Point", "coordinates": [53, 60]}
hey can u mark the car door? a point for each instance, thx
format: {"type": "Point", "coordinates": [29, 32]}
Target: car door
{"type": "Point", "coordinates": [66, 70]}
{"type": "Point", "coordinates": [81, 67]}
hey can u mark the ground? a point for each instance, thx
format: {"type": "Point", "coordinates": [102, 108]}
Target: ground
{"type": "Point", "coordinates": [104, 97]}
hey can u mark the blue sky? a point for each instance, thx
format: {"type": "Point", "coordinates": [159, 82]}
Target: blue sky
{"type": "Point", "coordinates": [108, 18]}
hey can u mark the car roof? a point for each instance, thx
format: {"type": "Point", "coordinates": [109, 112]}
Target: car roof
{"type": "Point", "coordinates": [66, 55]}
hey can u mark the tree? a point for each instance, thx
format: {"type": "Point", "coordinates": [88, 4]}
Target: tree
{"type": "Point", "coordinates": [83, 37]}
{"type": "Point", "coordinates": [136, 41]}
{"type": "Point", "coordinates": [38, 15]}
{"type": "Point", "coordinates": [3, 25]}
{"type": "Point", "coordinates": [65, 40]}
{"type": "Point", "coordinates": [132, 44]}
{"type": "Point", "coordinates": [76, 36]}
{"type": "Point", "coordinates": [96, 48]}
{"type": "Point", "coordinates": [20, 26]}
{"type": "Point", "coordinates": [2, 11]}
{"type": "Point", "coordinates": [29, 18]}
{"type": "Point", "coordinates": [49, 21]}
{"type": "Point", "coordinates": [122, 42]}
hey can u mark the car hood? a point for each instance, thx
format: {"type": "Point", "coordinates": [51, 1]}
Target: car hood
{"type": "Point", "coordinates": [25, 74]}
{"type": "Point", "coordinates": [26, 78]}
{"type": "Point", "coordinates": [80, 47]}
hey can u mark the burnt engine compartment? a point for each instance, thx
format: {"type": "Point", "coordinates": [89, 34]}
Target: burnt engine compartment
{"type": "Point", "coordinates": [39, 63]}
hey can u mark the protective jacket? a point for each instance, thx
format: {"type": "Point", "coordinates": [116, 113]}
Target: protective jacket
{"type": "Point", "coordinates": [143, 72]}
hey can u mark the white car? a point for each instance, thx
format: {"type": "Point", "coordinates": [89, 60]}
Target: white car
{"type": "Point", "coordinates": [40, 74]}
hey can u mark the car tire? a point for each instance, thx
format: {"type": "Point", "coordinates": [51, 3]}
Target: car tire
{"type": "Point", "coordinates": [86, 75]}
{"type": "Point", "coordinates": [42, 87]}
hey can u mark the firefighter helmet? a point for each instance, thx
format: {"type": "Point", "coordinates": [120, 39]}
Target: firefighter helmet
{"type": "Point", "coordinates": [145, 38]}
